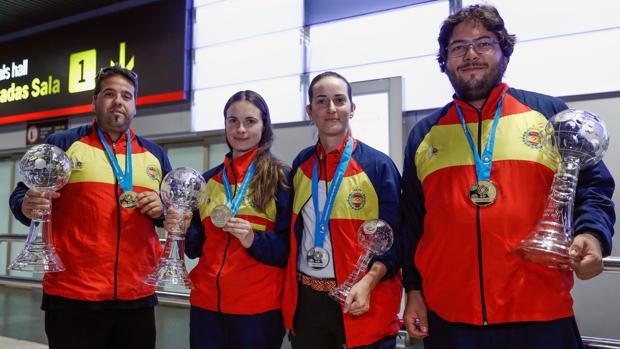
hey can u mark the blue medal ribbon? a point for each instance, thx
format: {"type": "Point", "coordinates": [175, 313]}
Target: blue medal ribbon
{"type": "Point", "coordinates": [124, 179]}
{"type": "Point", "coordinates": [322, 221]}
{"type": "Point", "coordinates": [484, 163]}
{"type": "Point", "coordinates": [235, 203]}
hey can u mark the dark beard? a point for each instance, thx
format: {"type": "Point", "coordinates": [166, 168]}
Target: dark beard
{"type": "Point", "coordinates": [474, 90]}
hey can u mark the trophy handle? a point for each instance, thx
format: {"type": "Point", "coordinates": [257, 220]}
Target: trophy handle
{"type": "Point", "coordinates": [39, 254]}
{"type": "Point", "coordinates": [341, 292]}
{"type": "Point", "coordinates": [549, 242]}
{"type": "Point", "coordinates": [171, 270]}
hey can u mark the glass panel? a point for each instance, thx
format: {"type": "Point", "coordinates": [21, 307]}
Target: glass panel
{"type": "Point", "coordinates": [217, 153]}
{"type": "Point", "coordinates": [192, 156]}
{"type": "Point", "coordinates": [283, 97]}
{"type": "Point", "coordinates": [424, 86]}
{"type": "Point", "coordinates": [256, 58]}
{"type": "Point", "coordinates": [16, 247]}
{"type": "Point", "coordinates": [553, 18]}
{"type": "Point", "coordinates": [542, 65]}
{"type": "Point", "coordinates": [232, 20]}
{"type": "Point", "coordinates": [370, 122]}
{"type": "Point", "coordinates": [5, 212]}
{"type": "Point", "coordinates": [386, 36]}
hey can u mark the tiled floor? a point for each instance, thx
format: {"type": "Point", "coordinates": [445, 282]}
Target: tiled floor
{"type": "Point", "coordinates": [6, 342]}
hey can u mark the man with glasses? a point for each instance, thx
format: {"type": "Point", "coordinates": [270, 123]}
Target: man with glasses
{"type": "Point", "coordinates": [474, 184]}
{"type": "Point", "coordinates": [104, 226]}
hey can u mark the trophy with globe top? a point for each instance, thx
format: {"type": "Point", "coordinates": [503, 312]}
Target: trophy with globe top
{"type": "Point", "coordinates": [375, 236]}
{"type": "Point", "coordinates": [45, 168]}
{"type": "Point", "coordinates": [580, 138]}
{"type": "Point", "coordinates": [182, 189]}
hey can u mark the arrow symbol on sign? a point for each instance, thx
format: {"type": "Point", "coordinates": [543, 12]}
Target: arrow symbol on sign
{"type": "Point", "coordinates": [121, 58]}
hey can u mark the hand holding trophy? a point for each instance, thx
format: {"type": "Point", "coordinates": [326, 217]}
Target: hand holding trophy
{"type": "Point", "coordinates": [376, 237]}
{"type": "Point", "coordinates": [45, 168]}
{"type": "Point", "coordinates": [182, 189]}
{"type": "Point", "coordinates": [581, 139]}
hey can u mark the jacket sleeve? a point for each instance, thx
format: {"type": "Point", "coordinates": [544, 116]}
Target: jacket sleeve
{"type": "Point", "coordinates": [165, 168]}
{"type": "Point", "coordinates": [594, 210]}
{"type": "Point", "coordinates": [272, 247]}
{"type": "Point", "coordinates": [412, 204]}
{"type": "Point", "coordinates": [15, 201]}
{"type": "Point", "coordinates": [195, 237]}
{"type": "Point", "coordinates": [389, 211]}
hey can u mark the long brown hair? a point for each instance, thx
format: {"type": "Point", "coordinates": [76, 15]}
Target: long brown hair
{"type": "Point", "coordinates": [270, 172]}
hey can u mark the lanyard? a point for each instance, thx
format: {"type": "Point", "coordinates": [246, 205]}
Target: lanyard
{"type": "Point", "coordinates": [322, 220]}
{"type": "Point", "coordinates": [235, 203]}
{"type": "Point", "coordinates": [484, 164]}
{"type": "Point", "coordinates": [125, 180]}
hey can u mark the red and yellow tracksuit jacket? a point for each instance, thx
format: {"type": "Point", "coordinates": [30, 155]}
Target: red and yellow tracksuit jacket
{"type": "Point", "coordinates": [463, 259]}
{"type": "Point", "coordinates": [230, 278]}
{"type": "Point", "coordinates": [107, 250]}
{"type": "Point", "coordinates": [369, 190]}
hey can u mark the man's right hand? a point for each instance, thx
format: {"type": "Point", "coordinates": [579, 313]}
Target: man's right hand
{"type": "Point", "coordinates": [415, 315]}
{"type": "Point", "coordinates": [35, 200]}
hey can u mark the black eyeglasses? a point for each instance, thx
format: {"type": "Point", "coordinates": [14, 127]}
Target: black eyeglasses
{"type": "Point", "coordinates": [481, 46]}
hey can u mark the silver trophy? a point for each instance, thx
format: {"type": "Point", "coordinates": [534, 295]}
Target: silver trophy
{"type": "Point", "coordinates": [45, 168]}
{"type": "Point", "coordinates": [581, 139]}
{"type": "Point", "coordinates": [376, 237]}
{"type": "Point", "coordinates": [182, 189]}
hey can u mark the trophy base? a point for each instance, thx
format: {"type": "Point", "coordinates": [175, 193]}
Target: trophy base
{"type": "Point", "coordinates": [170, 274]}
{"type": "Point", "coordinates": [37, 260]}
{"type": "Point", "coordinates": [339, 294]}
{"type": "Point", "coordinates": [549, 253]}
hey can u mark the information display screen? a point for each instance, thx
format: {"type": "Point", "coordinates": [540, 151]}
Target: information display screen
{"type": "Point", "coordinates": [51, 74]}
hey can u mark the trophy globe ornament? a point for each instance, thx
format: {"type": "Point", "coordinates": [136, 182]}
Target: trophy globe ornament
{"type": "Point", "coordinates": [577, 139]}
{"type": "Point", "coordinates": [376, 237]}
{"type": "Point", "coordinates": [46, 168]}
{"type": "Point", "coordinates": [181, 189]}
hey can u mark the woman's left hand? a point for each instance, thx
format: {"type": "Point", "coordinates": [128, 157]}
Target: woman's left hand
{"type": "Point", "coordinates": [358, 300]}
{"type": "Point", "coordinates": [241, 229]}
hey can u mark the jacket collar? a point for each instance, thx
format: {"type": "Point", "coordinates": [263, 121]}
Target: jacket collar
{"type": "Point", "coordinates": [239, 165]}
{"type": "Point", "coordinates": [489, 105]}
{"type": "Point", "coordinates": [320, 150]}
{"type": "Point", "coordinates": [121, 140]}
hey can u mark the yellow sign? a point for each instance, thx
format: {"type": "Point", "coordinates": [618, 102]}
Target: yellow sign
{"type": "Point", "coordinates": [82, 71]}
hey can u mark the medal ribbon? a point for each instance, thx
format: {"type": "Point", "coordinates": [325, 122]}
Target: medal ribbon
{"type": "Point", "coordinates": [484, 164]}
{"type": "Point", "coordinates": [322, 220]}
{"type": "Point", "coordinates": [125, 180]}
{"type": "Point", "coordinates": [235, 203]}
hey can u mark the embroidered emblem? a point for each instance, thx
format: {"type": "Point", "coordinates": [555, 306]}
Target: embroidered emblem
{"type": "Point", "coordinates": [357, 199]}
{"type": "Point", "coordinates": [432, 151]}
{"type": "Point", "coordinates": [76, 164]}
{"type": "Point", "coordinates": [151, 171]}
{"type": "Point", "coordinates": [533, 138]}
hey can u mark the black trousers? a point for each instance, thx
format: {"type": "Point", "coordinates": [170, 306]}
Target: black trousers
{"type": "Point", "coordinates": [555, 334]}
{"type": "Point", "coordinates": [319, 324]}
{"type": "Point", "coordinates": [100, 329]}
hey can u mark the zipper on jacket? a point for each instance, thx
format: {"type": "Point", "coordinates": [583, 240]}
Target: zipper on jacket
{"type": "Point", "coordinates": [219, 272]}
{"type": "Point", "coordinates": [118, 233]}
{"type": "Point", "coordinates": [479, 233]}
{"type": "Point", "coordinates": [217, 278]}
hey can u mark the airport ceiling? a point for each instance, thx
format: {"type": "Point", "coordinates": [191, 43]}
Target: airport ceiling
{"type": "Point", "coordinates": [17, 15]}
